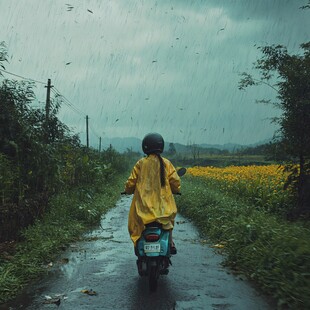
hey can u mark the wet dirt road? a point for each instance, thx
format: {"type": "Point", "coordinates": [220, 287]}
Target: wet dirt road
{"type": "Point", "coordinates": [105, 263]}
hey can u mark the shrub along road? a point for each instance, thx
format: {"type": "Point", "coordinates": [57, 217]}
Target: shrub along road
{"type": "Point", "coordinates": [100, 273]}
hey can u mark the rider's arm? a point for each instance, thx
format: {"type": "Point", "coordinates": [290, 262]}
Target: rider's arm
{"type": "Point", "coordinates": [174, 179]}
{"type": "Point", "coordinates": [130, 185]}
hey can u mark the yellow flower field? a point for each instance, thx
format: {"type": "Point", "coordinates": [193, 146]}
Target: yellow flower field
{"type": "Point", "coordinates": [262, 185]}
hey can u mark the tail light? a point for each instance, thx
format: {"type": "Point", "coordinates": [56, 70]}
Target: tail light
{"type": "Point", "coordinates": [152, 237]}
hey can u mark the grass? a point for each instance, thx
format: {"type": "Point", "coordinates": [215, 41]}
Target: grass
{"type": "Point", "coordinates": [269, 250]}
{"type": "Point", "coordinates": [69, 216]}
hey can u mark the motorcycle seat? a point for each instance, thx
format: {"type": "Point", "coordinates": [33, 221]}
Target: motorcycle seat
{"type": "Point", "coordinates": [154, 224]}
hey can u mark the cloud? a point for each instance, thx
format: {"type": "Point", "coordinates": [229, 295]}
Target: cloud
{"type": "Point", "coordinates": [153, 64]}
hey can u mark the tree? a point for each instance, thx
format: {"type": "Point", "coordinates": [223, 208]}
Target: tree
{"type": "Point", "coordinates": [293, 94]}
{"type": "Point", "coordinates": [172, 150]}
{"type": "Point", "coordinates": [195, 150]}
{"type": "Point", "coordinates": [3, 55]}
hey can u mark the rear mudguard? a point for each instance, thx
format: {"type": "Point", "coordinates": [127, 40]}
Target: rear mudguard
{"type": "Point", "coordinates": [164, 242]}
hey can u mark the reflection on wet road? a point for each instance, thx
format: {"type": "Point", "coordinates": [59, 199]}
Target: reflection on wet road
{"type": "Point", "coordinates": [105, 263]}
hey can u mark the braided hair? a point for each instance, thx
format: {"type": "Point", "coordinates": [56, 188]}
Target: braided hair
{"type": "Point", "coordinates": [162, 170]}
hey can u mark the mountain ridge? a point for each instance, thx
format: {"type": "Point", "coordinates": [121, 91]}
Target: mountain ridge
{"type": "Point", "coordinates": [134, 144]}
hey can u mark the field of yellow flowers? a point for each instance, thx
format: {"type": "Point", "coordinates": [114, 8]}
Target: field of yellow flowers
{"type": "Point", "coordinates": [263, 186]}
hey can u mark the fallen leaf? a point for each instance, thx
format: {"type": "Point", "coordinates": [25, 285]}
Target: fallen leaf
{"type": "Point", "coordinates": [55, 301]}
{"type": "Point", "coordinates": [89, 292]}
{"type": "Point", "coordinates": [218, 246]}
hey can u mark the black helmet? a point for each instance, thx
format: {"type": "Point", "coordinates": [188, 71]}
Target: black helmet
{"type": "Point", "coordinates": [153, 143]}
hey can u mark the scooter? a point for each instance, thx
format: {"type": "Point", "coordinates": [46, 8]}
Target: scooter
{"type": "Point", "coordinates": [154, 251]}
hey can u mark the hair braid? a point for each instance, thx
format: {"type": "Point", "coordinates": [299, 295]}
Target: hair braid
{"type": "Point", "coordinates": [162, 171]}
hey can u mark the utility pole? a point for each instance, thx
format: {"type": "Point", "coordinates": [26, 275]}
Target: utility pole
{"type": "Point", "coordinates": [87, 136]}
{"type": "Point", "coordinates": [99, 145]}
{"type": "Point", "coordinates": [47, 129]}
{"type": "Point", "coordinates": [47, 108]}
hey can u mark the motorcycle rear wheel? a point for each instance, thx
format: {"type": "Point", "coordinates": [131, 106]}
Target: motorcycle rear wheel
{"type": "Point", "coordinates": [153, 276]}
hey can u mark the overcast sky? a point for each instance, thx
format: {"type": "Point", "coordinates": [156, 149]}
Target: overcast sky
{"type": "Point", "coordinates": [170, 66]}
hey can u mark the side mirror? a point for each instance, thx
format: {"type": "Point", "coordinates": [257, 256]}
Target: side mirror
{"type": "Point", "coordinates": [181, 171]}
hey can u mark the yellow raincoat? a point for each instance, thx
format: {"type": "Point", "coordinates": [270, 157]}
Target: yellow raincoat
{"type": "Point", "coordinates": [151, 202]}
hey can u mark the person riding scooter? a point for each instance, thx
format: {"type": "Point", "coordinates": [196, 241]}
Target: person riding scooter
{"type": "Point", "coordinates": [153, 181]}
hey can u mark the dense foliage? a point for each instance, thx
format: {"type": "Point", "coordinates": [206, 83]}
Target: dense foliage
{"type": "Point", "coordinates": [40, 157]}
{"type": "Point", "coordinates": [293, 93]}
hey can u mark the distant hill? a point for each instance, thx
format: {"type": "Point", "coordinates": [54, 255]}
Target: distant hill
{"type": "Point", "coordinates": [233, 146]}
{"type": "Point", "coordinates": [123, 144]}
{"type": "Point", "coordinates": [134, 144]}
{"type": "Point", "coordinates": [228, 146]}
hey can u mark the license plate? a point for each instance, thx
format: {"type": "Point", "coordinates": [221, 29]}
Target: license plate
{"type": "Point", "coordinates": [152, 248]}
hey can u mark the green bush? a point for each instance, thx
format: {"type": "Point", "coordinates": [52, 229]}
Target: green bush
{"type": "Point", "coordinates": [8, 177]}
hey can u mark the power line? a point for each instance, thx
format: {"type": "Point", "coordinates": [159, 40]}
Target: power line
{"type": "Point", "coordinates": [70, 105]}
{"type": "Point", "coordinates": [68, 102]}
{"type": "Point", "coordinates": [75, 109]}
{"type": "Point", "coordinates": [22, 77]}
{"type": "Point", "coordinates": [56, 91]}
{"type": "Point", "coordinates": [94, 131]}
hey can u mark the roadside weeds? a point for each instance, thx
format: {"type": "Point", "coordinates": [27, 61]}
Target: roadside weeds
{"type": "Point", "coordinates": [270, 251]}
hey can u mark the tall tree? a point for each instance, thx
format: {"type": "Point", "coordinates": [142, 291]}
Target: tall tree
{"type": "Point", "coordinates": [172, 150]}
{"type": "Point", "coordinates": [293, 93]}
